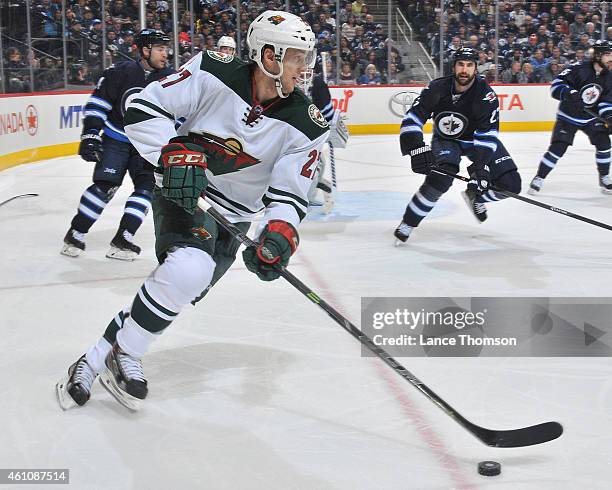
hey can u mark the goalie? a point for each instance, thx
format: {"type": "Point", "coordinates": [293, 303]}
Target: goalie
{"type": "Point", "coordinates": [338, 137]}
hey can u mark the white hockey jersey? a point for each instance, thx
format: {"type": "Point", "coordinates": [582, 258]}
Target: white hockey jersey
{"type": "Point", "coordinates": [266, 161]}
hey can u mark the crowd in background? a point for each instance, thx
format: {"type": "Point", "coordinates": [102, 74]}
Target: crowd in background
{"type": "Point", "coordinates": [536, 39]}
{"type": "Point", "coordinates": [364, 45]}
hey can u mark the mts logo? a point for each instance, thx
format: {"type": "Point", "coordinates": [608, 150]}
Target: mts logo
{"type": "Point", "coordinates": [70, 116]}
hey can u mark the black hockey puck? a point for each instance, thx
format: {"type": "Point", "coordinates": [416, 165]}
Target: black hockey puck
{"type": "Point", "coordinates": [489, 468]}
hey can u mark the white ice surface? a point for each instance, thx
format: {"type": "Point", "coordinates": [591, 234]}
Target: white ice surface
{"type": "Point", "coordinates": [256, 388]}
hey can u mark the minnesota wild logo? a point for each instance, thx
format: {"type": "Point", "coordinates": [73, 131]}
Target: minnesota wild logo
{"type": "Point", "coordinates": [225, 155]}
{"type": "Point", "coordinates": [201, 233]}
{"type": "Point", "coordinates": [276, 19]}
{"type": "Point", "coordinates": [316, 116]}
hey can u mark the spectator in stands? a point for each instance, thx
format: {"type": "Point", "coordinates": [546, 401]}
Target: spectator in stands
{"type": "Point", "coordinates": [80, 74]}
{"type": "Point", "coordinates": [127, 46]}
{"type": "Point", "coordinates": [484, 63]}
{"type": "Point", "coordinates": [514, 74]}
{"type": "Point", "coordinates": [467, 16]}
{"type": "Point", "coordinates": [370, 77]}
{"type": "Point", "coordinates": [16, 72]}
{"type": "Point", "coordinates": [584, 43]}
{"type": "Point", "coordinates": [393, 76]}
{"type": "Point", "coordinates": [550, 73]}
{"type": "Point", "coordinates": [369, 27]}
{"type": "Point", "coordinates": [348, 28]}
{"type": "Point", "coordinates": [347, 77]}
{"type": "Point", "coordinates": [558, 58]}
{"type": "Point", "coordinates": [577, 27]}
{"type": "Point", "coordinates": [528, 73]}
{"type": "Point", "coordinates": [580, 55]}
{"type": "Point", "coordinates": [357, 7]}
{"type": "Point", "coordinates": [517, 16]}
{"type": "Point", "coordinates": [538, 62]}
{"type": "Point", "coordinates": [592, 32]}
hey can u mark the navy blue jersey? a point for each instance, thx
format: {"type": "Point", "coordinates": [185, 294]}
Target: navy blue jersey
{"type": "Point", "coordinates": [115, 88]}
{"type": "Point", "coordinates": [322, 98]}
{"type": "Point", "coordinates": [583, 78]}
{"type": "Point", "coordinates": [469, 117]}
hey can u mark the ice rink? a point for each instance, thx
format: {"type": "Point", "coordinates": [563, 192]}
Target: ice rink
{"type": "Point", "coordinates": [256, 388]}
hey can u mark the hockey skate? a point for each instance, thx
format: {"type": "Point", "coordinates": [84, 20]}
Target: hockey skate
{"type": "Point", "coordinates": [75, 388]}
{"type": "Point", "coordinates": [122, 246]}
{"type": "Point", "coordinates": [402, 233]}
{"type": "Point", "coordinates": [535, 186]}
{"type": "Point", "coordinates": [606, 184]}
{"type": "Point", "coordinates": [478, 209]}
{"type": "Point", "coordinates": [124, 378]}
{"type": "Point", "coordinates": [74, 243]}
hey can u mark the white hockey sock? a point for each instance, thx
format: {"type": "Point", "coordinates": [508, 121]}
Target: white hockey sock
{"type": "Point", "coordinates": [133, 339]}
{"type": "Point", "coordinates": [97, 354]}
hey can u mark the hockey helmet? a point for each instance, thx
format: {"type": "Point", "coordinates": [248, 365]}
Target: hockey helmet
{"type": "Point", "coordinates": [147, 38]}
{"type": "Point", "coordinates": [602, 47]}
{"type": "Point", "coordinates": [467, 54]}
{"type": "Point", "coordinates": [281, 30]}
{"type": "Point", "coordinates": [226, 42]}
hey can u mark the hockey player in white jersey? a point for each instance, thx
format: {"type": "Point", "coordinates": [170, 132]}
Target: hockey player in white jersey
{"type": "Point", "coordinates": [250, 143]}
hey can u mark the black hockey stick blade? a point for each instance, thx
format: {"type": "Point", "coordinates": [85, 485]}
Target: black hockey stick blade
{"type": "Point", "coordinates": [527, 436]}
{"type": "Point", "coordinates": [17, 197]}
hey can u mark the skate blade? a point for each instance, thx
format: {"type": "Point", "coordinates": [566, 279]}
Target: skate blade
{"type": "Point", "coordinates": [63, 397]}
{"type": "Point", "coordinates": [70, 250]}
{"type": "Point", "coordinates": [606, 191]}
{"type": "Point", "coordinates": [128, 401]}
{"type": "Point", "coordinates": [532, 192]}
{"type": "Point", "coordinates": [118, 254]}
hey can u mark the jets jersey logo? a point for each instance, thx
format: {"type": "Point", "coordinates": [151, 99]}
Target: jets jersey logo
{"type": "Point", "coordinates": [276, 19]}
{"type": "Point", "coordinates": [127, 97]}
{"type": "Point", "coordinates": [225, 155]}
{"type": "Point", "coordinates": [590, 94]}
{"type": "Point", "coordinates": [222, 57]}
{"type": "Point", "coordinates": [490, 97]}
{"type": "Point", "coordinates": [317, 118]}
{"type": "Point", "coordinates": [450, 124]}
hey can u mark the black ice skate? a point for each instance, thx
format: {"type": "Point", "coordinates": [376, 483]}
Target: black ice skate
{"type": "Point", "coordinates": [124, 378]}
{"type": "Point", "coordinates": [401, 233]}
{"type": "Point", "coordinates": [123, 247]}
{"type": "Point", "coordinates": [478, 208]}
{"type": "Point", "coordinates": [606, 184]}
{"type": "Point", "coordinates": [74, 243]}
{"type": "Point", "coordinates": [76, 387]}
{"type": "Point", "coordinates": [535, 186]}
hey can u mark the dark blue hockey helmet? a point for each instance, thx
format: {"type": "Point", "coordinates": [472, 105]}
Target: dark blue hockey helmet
{"type": "Point", "coordinates": [602, 47]}
{"type": "Point", "coordinates": [147, 38]}
{"type": "Point", "coordinates": [465, 53]}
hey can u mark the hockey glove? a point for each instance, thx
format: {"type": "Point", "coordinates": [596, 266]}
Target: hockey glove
{"type": "Point", "coordinates": [90, 147]}
{"type": "Point", "coordinates": [421, 159]}
{"type": "Point", "coordinates": [480, 179]}
{"type": "Point", "coordinates": [575, 100]}
{"type": "Point", "coordinates": [277, 243]}
{"type": "Point", "coordinates": [184, 165]}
